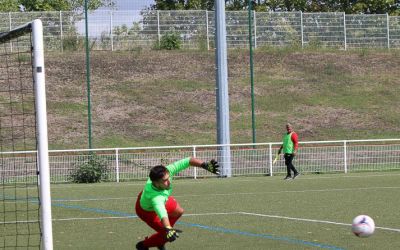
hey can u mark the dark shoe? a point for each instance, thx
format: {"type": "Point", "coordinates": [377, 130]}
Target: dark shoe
{"type": "Point", "coordinates": [295, 175]}
{"type": "Point", "coordinates": [288, 177]}
{"type": "Point", "coordinates": [140, 246]}
{"type": "Point", "coordinates": [162, 247]}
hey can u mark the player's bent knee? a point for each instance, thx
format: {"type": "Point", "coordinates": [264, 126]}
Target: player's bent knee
{"type": "Point", "coordinates": [178, 212]}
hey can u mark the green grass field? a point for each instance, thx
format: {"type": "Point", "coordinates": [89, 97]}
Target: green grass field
{"type": "Point", "coordinates": [311, 212]}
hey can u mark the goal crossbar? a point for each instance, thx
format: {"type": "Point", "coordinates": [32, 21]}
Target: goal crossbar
{"type": "Point", "coordinates": [17, 32]}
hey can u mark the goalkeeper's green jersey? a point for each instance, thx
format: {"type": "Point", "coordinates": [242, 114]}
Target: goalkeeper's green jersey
{"type": "Point", "coordinates": [154, 199]}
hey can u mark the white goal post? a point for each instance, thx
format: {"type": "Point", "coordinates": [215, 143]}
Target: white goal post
{"type": "Point", "coordinates": [35, 30]}
{"type": "Point", "coordinates": [43, 149]}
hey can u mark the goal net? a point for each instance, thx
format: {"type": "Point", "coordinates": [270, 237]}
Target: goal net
{"type": "Point", "coordinates": [25, 204]}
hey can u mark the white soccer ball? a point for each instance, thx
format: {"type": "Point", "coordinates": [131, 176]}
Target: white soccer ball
{"type": "Point", "coordinates": [363, 226]}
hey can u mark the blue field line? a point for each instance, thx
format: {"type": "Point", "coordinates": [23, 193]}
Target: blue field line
{"type": "Point", "coordinates": [96, 210]}
{"type": "Point", "coordinates": [266, 236]}
{"type": "Point", "coordinates": [209, 228]}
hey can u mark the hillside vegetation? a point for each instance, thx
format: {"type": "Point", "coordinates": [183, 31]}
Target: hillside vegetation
{"type": "Point", "coordinates": [152, 98]}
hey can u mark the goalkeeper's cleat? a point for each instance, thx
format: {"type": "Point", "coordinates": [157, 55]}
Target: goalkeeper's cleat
{"type": "Point", "coordinates": [288, 177]}
{"type": "Point", "coordinates": [162, 247]}
{"type": "Point", "coordinates": [140, 246]}
{"type": "Point", "coordinates": [295, 175]}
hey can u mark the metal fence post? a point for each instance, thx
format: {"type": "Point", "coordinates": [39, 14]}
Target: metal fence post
{"type": "Point", "coordinates": [345, 156]}
{"type": "Point", "coordinates": [270, 159]}
{"type": "Point", "coordinates": [255, 30]}
{"type": "Point", "coordinates": [195, 169]}
{"type": "Point", "coordinates": [388, 30]}
{"type": "Point", "coordinates": [61, 33]}
{"type": "Point", "coordinates": [111, 31]}
{"type": "Point", "coordinates": [158, 27]}
{"type": "Point", "coordinates": [10, 26]}
{"type": "Point", "coordinates": [344, 31]}
{"type": "Point", "coordinates": [301, 29]}
{"type": "Point", "coordinates": [117, 164]}
{"type": "Point", "coordinates": [207, 35]}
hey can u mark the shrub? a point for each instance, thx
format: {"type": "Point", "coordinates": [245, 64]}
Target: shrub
{"type": "Point", "coordinates": [73, 43]}
{"type": "Point", "coordinates": [170, 41]}
{"type": "Point", "coordinates": [91, 171]}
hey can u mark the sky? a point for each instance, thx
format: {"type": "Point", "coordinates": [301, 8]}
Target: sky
{"type": "Point", "coordinates": [100, 23]}
{"type": "Point", "coordinates": [132, 4]}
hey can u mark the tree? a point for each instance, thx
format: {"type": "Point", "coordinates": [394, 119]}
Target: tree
{"type": "Point", "coordinates": [9, 5]}
{"type": "Point", "coordinates": [183, 5]}
{"type": "Point", "coordinates": [376, 6]}
{"type": "Point", "coordinates": [349, 6]}
{"type": "Point", "coordinates": [52, 5]}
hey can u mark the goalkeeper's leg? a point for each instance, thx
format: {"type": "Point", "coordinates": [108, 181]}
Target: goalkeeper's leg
{"type": "Point", "coordinates": [174, 213]}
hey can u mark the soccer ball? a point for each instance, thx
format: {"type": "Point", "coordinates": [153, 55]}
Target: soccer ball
{"type": "Point", "coordinates": [363, 226]}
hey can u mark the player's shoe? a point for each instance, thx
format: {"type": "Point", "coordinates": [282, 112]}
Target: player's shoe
{"type": "Point", "coordinates": [140, 246]}
{"type": "Point", "coordinates": [295, 175]}
{"type": "Point", "coordinates": [288, 177]}
{"type": "Point", "coordinates": [162, 247]}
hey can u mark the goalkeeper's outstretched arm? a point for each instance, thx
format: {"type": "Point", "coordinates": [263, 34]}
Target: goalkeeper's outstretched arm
{"type": "Point", "coordinates": [211, 166]}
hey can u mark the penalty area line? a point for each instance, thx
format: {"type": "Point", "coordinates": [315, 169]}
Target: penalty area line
{"type": "Point", "coordinates": [312, 220]}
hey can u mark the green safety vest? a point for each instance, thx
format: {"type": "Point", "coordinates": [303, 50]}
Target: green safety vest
{"type": "Point", "coordinates": [288, 145]}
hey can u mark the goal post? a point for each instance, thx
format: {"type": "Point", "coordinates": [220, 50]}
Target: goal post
{"type": "Point", "coordinates": [24, 128]}
{"type": "Point", "coordinates": [43, 150]}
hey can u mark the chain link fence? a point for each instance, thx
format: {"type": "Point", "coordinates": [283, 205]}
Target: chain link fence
{"type": "Point", "coordinates": [126, 164]}
{"type": "Point", "coordinates": [128, 30]}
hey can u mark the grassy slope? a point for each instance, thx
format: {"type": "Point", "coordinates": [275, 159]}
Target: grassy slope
{"type": "Point", "coordinates": [168, 98]}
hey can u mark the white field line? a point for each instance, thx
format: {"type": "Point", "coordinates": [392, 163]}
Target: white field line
{"type": "Point", "coordinates": [113, 217]}
{"type": "Point", "coordinates": [311, 220]}
{"type": "Point", "coordinates": [231, 194]}
{"type": "Point", "coordinates": [208, 214]}
{"type": "Point", "coordinates": [143, 182]}
{"type": "Point", "coordinates": [201, 181]}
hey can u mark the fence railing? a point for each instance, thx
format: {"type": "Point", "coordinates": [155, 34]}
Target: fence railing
{"type": "Point", "coordinates": [127, 30]}
{"type": "Point", "coordinates": [246, 159]}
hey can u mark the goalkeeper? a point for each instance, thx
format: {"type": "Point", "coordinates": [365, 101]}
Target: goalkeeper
{"type": "Point", "coordinates": [158, 208]}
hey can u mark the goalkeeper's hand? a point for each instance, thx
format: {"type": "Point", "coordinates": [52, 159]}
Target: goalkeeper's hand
{"type": "Point", "coordinates": [172, 234]}
{"type": "Point", "coordinates": [211, 166]}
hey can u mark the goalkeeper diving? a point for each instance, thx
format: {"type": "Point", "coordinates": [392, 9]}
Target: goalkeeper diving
{"type": "Point", "coordinates": [156, 206]}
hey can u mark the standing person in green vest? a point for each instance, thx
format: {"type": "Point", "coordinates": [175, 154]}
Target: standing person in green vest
{"type": "Point", "coordinates": [290, 145]}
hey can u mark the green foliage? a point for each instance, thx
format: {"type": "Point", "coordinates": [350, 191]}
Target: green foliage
{"type": "Point", "coordinates": [314, 43]}
{"type": "Point", "coordinates": [183, 5]}
{"type": "Point", "coordinates": [94, 170]}
{"type": "Point", "coordinates": [170, 41]}
{"type": "Point", "coordinates": [8, 5]}
{"type": "Point", "coordinates": [23, 58]}
{"type": "Point", "coordinates": [52, 5]}
{"type": "Point", "coordinates": [350, 7]}
{"type": "Point", "coordinates": [73, 43]}
{"type": "Point", "coordinates": [201, 40]}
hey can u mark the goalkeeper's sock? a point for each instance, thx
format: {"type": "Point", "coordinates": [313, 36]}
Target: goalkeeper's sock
{"type": "Point", "coordinates": [157, 239]}
{"type": "Point", "coordinates": [140, 246]}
